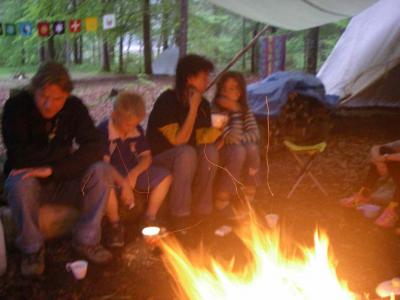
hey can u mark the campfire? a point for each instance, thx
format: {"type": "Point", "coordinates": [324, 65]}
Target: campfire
{"type": "Point", "coordinates": [273, 271]}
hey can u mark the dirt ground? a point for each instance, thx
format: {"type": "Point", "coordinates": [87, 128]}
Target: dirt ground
{"type": "Point", "coordinates": [365, 254]}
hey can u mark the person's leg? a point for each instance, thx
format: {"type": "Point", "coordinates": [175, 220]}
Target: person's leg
{"type": "Point", "coordinates": [232, 159]}
{"type": "Point", "coordinates": [23, 197]}
{"type": "Point", "coordinates": [112, 207]}
{"type": "Point", "coordinates": [157, 180]}
{"type": "Point", "coordinates": [95, 187]}
{"type": "Point", "coordinates": [181, 161]}
{"type": "Point", "coordinates": [208, 158]}
{"type": "Point", "coordinates": [364, 193]}
{"type": "Point", "coordinates": [252, 168]}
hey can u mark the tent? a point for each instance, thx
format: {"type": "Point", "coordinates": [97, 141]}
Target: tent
{"type": "Point", "coordinates": [364, 67]}
{"type": "Point", "coordinates": [295, 14]}
{"type": "Point", "coordinates": [165, 63]}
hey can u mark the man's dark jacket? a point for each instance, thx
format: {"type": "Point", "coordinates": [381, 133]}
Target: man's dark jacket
{"type": "Point", "coordinates": [32, 141]}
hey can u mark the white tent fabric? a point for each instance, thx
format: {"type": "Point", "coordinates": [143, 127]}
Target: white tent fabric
{"type": "Point", "coordinates": [165, 63]}
{"type": "Point", "coordinates": [367, 50]}
{"type": "Point", "coordinates": [295, 14]}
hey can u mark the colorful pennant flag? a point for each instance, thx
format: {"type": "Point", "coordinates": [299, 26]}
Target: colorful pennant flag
{"type": "Point", "coordinates": [75, 26]}
{"type": "Point", "coordinates": [109, 21]}
{"type": "Point", "coordinates": [91, 24]}
{"type": "Point", "coordinates": [59, 27]}
{"type": "Point", "coordinates": [11, 29]}
{"type": "Point", "coordinates": [25, 28]}
{"type": "Point", "coordinates": [43, 28]}
{"type": "Point", "coordinates": [1, 28]}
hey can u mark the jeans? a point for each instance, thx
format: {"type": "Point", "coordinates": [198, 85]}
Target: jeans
{"type": "Point", "coordinates": [193, 176]}
{"type": "Point", "coordinates": [90, 192]}
{"type": "Point", "coordinates": [238, 159]}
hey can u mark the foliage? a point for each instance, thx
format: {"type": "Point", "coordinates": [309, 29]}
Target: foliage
{"type": "Point", "coordinates": [213, 31]}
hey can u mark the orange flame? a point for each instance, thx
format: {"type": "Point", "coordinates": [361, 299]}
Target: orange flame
{"type": "Point", "coordinates": [270, 274]}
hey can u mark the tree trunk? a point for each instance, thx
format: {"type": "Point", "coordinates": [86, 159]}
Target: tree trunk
{"type": "Point", "coordinates": [244, 43]}
{"type": "Point", "coordinates": [311, 50]}
{"type": "Point", "coordinates": [42, 52]}
{"type": "Point", "coordinates": [164, 25]}
{"type": "Point", "coordinates": [51, 51]}
{"type": "Point", "coordinates": [254, 52]}
{"type": "Point", "coordinates": [121, 54]}
{"type": "Point", "coordinates": [105, 62]}
{"type": "Point", "coordinates": [147, 37]}
{"type": "Point", "coordinates": [75, 51]}
{"type": "Point", "coordinates": [184, 5]}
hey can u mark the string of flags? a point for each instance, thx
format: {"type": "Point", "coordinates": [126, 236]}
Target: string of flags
{"type": "Point", "coordinates": [45, 28]}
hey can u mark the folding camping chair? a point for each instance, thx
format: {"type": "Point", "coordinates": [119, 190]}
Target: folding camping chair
{"type": "Point", "coordinates": [311, 152]}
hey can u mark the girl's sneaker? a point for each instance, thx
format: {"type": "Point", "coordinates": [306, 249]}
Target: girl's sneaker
{"type": "Point", "coordinates": [389, 217]}
{"type": "Point", "coordinates": [361, 197]}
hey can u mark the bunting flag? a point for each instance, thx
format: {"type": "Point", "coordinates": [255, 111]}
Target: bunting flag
{"type": "Point", "coordinates": [25, 28]}
{"type": "Point", "coordinates": [1, 28]}
{"type": "Point", "coordinates": [273, 55]}
{"type": "Point", "coordinates": [59, 27]}
{"type": "Point", "coordinates": [11, 29]}
{"type": "Point", "coordinates": [75, 26]}
{"type": "Point", "coordinates": [91, 24]}
{"type": "Point", "coordinates": [109, 21]}
{"type": "Point", "coordinates": [43, 28]}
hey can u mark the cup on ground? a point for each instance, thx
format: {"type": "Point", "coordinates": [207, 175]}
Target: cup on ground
{"type": "Point", "coordinates": [272, 220]}
{"type": "Point", "coordinates": [78, 268]}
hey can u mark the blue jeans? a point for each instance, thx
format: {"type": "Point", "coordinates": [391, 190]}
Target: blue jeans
{"type": "Point", "coordinates": [89, 192]}
{"type": "Point", "coordinates": [193, 176]}
{"type": "Point", "coordinates": [238, 159]}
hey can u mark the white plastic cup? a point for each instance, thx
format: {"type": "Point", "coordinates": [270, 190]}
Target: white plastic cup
{"type": "Point", "coordinates": [272, 220]}
{"type": "Point", "coordinates": [78, 268]}
{"type": "Point", "coordinates": [218, 120]}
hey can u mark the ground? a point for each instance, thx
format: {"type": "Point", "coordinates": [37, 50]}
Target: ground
{"type": "Point", "coordinates": [365, 254]}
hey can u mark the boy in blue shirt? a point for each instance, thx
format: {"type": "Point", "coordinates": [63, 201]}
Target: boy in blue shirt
{"type": "Point", "coordinates": [127, 150]}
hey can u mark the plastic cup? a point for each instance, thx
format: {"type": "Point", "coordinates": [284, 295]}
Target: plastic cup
{"type": "Point", "coordinates": [151, 235]}
{"type": "Point", "coordinates": [272, 220]}
{"type": "Point", "coordinates": [218, 120]}
{"type": "Point", "coordinates": [78, 268]}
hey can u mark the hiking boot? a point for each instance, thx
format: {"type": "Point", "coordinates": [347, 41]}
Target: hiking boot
{"type": "Point", "coordinates": [361, 197]}
{"type": "Point", "coordinates": [388, 217]}
{"type": "Point", "coordinates": [32, 264]}
{"type": "Point", "coordinates": [96, 254]}
{"type": "Point", "coordinates": [115, 236]}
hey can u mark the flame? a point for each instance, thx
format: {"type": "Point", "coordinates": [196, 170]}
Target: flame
{"type": "Point", "coordinates": [271, 272]}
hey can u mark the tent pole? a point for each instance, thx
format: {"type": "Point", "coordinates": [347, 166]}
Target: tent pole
{"type": "Point", "coordinates": [238, 55]}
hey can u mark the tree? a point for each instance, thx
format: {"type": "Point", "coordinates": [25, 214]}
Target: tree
{"type": "Point", "coordinates": [183, 28]}
{"type": "Point", "coordinates": [147, 37]}
{"type": "Point", "coordinates": [311, 50]}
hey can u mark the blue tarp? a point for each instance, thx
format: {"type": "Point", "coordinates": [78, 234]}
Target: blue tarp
{"type": "Point", "coordinates": [276, 89]}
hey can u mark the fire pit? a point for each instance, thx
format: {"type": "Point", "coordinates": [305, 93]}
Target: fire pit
{"type": "Point", "coordinates": [271, 273]}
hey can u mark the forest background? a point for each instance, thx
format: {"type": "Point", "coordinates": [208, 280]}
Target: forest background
{"type": "Point", "coordinates": [144, 28]}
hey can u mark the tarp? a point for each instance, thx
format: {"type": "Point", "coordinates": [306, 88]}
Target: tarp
{"type": "Point", "coordinates": [165, 63]}
{"type": "Point", "coordinates": [276, 88]}
{"type": "Point", "coordinates": [295, 14]}
{"type": "Point", "coordinates": [364, 67]}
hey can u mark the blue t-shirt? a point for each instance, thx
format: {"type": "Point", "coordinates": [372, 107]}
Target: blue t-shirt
{"type": "Point", "coordinates": [122, 153]}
